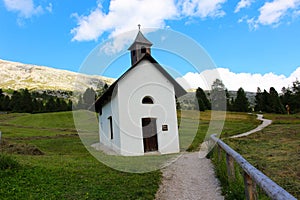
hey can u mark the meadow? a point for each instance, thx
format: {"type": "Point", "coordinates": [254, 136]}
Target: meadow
{"type": "Point", "coordinates": [47, 160]}
{"type": "Point", "coordinates": [65, 170]}
{"type": "Point", "coordinates": [274, 151]}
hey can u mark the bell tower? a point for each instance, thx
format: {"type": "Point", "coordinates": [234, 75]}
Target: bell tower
{"type": "Point", "coordinates": [139, 47]}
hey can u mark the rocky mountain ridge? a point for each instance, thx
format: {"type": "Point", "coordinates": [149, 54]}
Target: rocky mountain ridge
{"type": "Point", "coordinates": [15, 75]}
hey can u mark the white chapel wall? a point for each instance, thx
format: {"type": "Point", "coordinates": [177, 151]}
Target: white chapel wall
{"type": "Point", "coordinates": [110, 110]}
{"type": "Point", "coordinates": [143, 81]}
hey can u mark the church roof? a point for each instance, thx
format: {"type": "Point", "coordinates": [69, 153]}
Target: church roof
{"type": "Point", "coordinates": [140, 38]}
{"type": "Point", "coordinates": [106, 97]}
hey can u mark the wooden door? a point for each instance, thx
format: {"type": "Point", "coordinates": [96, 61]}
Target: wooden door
{"type": "Point", "coordinates": [149, 134]}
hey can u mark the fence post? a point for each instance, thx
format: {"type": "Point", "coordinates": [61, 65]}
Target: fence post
{"type": "Point", "coordinates": [230, 167]}
{"type": "Point", "coordinates": [219, 152]}
{"type": "Point", "coordinates": [250, 188]}
{"type": "Point", "coordinates": [252, 175]}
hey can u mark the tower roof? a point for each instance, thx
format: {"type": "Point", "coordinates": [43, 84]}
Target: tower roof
{"type": "Point", "coordinates": [141, 39]}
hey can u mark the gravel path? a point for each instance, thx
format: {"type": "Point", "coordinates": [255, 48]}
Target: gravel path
{"type": "Point", "coordinates": [189, 177]}
{"type": "Point", "coordinates": [266, 122]}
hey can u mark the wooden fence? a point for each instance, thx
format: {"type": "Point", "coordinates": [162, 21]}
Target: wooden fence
{"type": "Point", "coordinates": [252, 176]}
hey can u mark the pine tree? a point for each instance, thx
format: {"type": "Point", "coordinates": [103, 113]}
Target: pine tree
{"type": "Point", "coordinates": [275, 103]}
{"type": "Point", "coordinates": [228, 100]}
{"type": "Point", "coordinates": [89, 97]}
{"type": "Point", "coordinates": [15, 104]}
{"type": "Point", "coordinates": [218, 95]}
{"type": "Point", "coordinates": [26, 101]}
{"type": "Point", "coordinates": [50, 105]}
{"type": "Point", "coordinates": [241, 103]}
{"type": "Point", "coordinates": [259, 107]}
{"type": "Point", "coordinates": [70, 105]}
{"type": "Point", "coordinates": [296, 96]}
{"type": "Point", "coordinates": [6, 103]}
{"type": "Point", "coordinates": [1, 99]}
{"type": "Point", "coordinates": [203, 101]}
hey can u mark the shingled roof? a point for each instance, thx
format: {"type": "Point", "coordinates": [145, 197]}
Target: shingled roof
{"type": "Point", "coordinates": [140, 38]}
{"type": "Point", "coordinates": [106, 97]}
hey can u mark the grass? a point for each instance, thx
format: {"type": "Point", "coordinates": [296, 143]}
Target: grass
{"type": "Point", "coordinates": [231, 188]}
{"type": "Point", "coordinates": [237, 123]}
{"type": "Point", "coordinates": [7, 162]}
{"type": "Point", "coordinates": [274, 151]}
{"type": "Point", "coordinates": [195, 126]}
{"type": "Point", "coordinates": [66, 170]}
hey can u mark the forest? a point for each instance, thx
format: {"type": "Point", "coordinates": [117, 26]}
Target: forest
{"type": "Point", "coordinates": [23, 101]}
{"type": "Point", "coordinates": [288, 101]}
{"type": "Point", "coordinates": [218, 98]}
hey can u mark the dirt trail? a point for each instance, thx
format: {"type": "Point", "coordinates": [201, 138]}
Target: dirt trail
{"type": "Point", "coordinates": [266, 122]}
{"type": "Point", "coordinates": [189, 177]}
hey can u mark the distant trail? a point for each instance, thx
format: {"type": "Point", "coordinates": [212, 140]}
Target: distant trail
{"type": "Point", "coordinates": [266, 122]}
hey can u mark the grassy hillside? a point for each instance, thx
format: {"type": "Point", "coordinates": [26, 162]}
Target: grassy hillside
{"type": "Point", "coordinates": [66, 170]}
{"type": "Point", "coordinates": [52, 162]}
{"type": "Point", "coordinates": [235, 123]}
{"type": "Point", "coordinates": [275, 151]}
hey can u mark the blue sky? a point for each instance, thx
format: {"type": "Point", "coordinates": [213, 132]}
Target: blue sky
{"type": "Point", "coordinates": [241, 36]}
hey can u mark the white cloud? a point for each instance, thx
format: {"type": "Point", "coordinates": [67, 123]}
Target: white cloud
{"type": "Point", "coordinates": [25, 8]}
{"type": "Point", "coordinates": [233, 81]}
{"type": "Point", "coordinates": [202, 8]}
{"type": "Point", "coordinates": [271, 13]}
{"type": "Point", "coordinates": [243, 19]}
{"type": "Point", "coordinates": [243, 4]}
{"type": "Point", "coordinates": [124, 15]}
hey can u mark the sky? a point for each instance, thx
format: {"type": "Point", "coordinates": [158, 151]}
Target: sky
{"type": "Point", "coordinates": [252, 43]}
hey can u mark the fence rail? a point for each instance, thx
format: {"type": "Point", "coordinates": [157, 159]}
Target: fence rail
{"type": "Point", "coordinates": [252, 176]}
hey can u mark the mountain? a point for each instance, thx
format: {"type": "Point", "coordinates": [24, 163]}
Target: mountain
{"type": "Point", "coordinates": [16, 75]}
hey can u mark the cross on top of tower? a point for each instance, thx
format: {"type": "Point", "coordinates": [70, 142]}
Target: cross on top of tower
{"type": "Point", "coordinates": [139, 47]}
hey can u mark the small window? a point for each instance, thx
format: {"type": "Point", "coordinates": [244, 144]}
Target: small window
{"type": "Point", "coordinates": [143, 49]}
{"type": "Point", "coordinates": [111, 127]}
{"type": "Point", "coordinates": [147, 100]}
{"type": "Point", "coordinates": [133, 53]}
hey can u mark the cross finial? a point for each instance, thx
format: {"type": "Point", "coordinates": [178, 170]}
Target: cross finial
{"type": "Point", "coordinates": [139, 27]}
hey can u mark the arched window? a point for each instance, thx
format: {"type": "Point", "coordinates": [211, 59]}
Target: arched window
{"type": "Point", "coordinates": [147, 100]}
{"type": "Point", "coordinates": [143, 49]}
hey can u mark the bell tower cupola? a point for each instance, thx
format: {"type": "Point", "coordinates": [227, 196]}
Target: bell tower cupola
{"type": "Point", "coordinates": [139, 47]}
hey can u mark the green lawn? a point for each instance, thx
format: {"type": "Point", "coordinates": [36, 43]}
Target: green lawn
{"type": "Point", "coordinates": [234, 123]}
{"type": "Point", "coordinates": [66, 170]}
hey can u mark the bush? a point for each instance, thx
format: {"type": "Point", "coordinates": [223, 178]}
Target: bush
{"type": "Point", "coordinates": [7, 162]}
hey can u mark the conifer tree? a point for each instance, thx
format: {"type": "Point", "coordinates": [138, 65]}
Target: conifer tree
{"type": "Point", "coordinates": [203, 101]}
{"type": "Point", "coordinates": [241, 103]}
{"type": "Point", "coordinates": [218, 95]}
{"type": "Point", "coordinates": [274, 102]}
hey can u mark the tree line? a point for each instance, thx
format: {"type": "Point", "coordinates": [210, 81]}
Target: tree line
{"type": "Point", "coordinates": [265, 101]}
{"type": "Point", "coordinates": [23, 101]}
